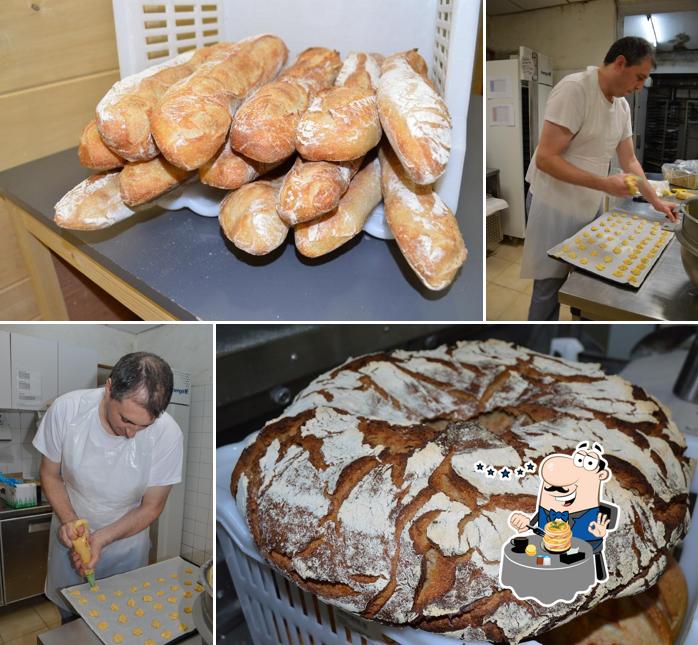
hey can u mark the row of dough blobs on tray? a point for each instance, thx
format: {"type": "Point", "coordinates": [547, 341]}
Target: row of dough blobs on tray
{"type": "Point", "coordinates": [314, 146]}
{"type": "Point", "coordinates": [114, 612]}
{"type": "Point", "coordinates": [618, 245]}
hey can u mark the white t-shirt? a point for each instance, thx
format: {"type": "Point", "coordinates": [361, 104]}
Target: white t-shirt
{"type": "Point", "coordinates": [577, 102]}
{"type": "Point", "coordinates": [165, 434]}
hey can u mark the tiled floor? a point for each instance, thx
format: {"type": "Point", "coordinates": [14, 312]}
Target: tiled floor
{"type": "Point", "coordinates": [22, 622]}
{"type": "Point", "coordinates": [508, 296]}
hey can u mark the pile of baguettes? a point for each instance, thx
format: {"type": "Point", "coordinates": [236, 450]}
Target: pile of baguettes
{"type": "Point", "coordinates": [312, 133]}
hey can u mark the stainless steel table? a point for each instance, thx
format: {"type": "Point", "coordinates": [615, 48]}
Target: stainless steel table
{"type": "Point", "coordinates": [666, 293]}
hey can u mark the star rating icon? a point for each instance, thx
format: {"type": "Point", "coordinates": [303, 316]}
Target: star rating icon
{"type": "Point", "coordinates": [505, 473]}
{"type": "Point", "coordinates": [519, 472]}
{"type": "Point", "coordinates": [530, 467]}
{"type": "Point", "coordinates": [480, 466]}
{"type": "Point", "coordinates": [491, 472]}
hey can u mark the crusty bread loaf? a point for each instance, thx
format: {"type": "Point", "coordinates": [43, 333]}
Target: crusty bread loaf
{"type": "Point", "coordinates": [340, 124]}
{"type": "Point", "coordinates": [94, 153]}
{"type": "Point", "coordinates": [143, 181]}
{"type": "Point", "coordinates": [361, 70]}
{"type": "Point", "coordinates": [414, 118]}
{"type": "Point", "coordinates": [264, 128]}
{"type": "Point", "coordinates": [123, 114]}
{"type": "Point", "coordinates": [425, 229]}
{"type": "Point", "coordinates": [653, 617]}
{"type": "Point", "coordinates": [249, 219]}
{"type": "Point", "coordinates": [230, 170]}
{"type": "Point", "coordinates": [191, 121]}
{"type": "Point", "coordinates": [333, 229]}
{"type": "Point", "coordinates": [364, 490]}
{"type": "Point", "coordinates": [93, 204]}
{"type": "Point", "coordinates": [673, 595]}
{"type": "Point", "coordinates": [312, 189]}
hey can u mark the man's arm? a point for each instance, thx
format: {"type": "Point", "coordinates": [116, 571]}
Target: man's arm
{"type": "Point", "coordinates": [629, 163]}
{"type": "Point", "coordinates": [133, 522]}
{"type": "Point", "coordinates": [53, 487]}
{"type": "Point", "coordinates": [554, 140]}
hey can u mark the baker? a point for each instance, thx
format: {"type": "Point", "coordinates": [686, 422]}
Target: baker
{"type": "Point", "coordinates": [587, 122]}
{"type": "Point", "coordinates": [110, 456]}
{"type": "Point", "coordinates": [570, 490]}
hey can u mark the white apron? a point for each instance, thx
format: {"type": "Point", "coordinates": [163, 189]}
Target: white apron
{"type": "Point", "coordinates": [559, 209]}
{"type": "Point", "coordinates": [103, 484]}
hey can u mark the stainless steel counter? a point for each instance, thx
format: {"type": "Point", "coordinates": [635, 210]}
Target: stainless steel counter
{"type": "Point", "coordinates": [666, 293]}
{"type": "Point", "coordinates": [8, 512]}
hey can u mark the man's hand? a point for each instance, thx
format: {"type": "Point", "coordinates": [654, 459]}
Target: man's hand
{"type": "Point", "coordinates": [519, 521]}
{"type": "Point", "coordinates": [598, 527]}
{"type": "Point", "coordinates": [667, 209]}
{"type": "Point", "coordinates": [620, 185]}
{"type": "Point", "coordinates": [67, 533]}
{"type": "Point", "coordinates": [97, 542]}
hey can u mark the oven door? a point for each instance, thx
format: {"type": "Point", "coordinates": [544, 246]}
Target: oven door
{"type": "Point", "coordinates": [24, 556]}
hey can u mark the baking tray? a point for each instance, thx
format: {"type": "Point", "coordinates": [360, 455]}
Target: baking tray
{"type": "Point", "coordinates": [620, 245]}
{"type": "Point", "coordinates": [123, 608]}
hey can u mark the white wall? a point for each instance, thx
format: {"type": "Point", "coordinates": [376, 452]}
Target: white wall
{"type": "Point", "coordinates": [197, 529]}
{"type": "Point", "coordinates": [574, 35]}
{"type": "Point", "coordinates": [110, 344]}
{"type": "Point", "coordinates": [190, 348]}
{"type": "Point", "coordinates": [185, 347]}
{"type": "Point", "coordinates": [18, 454]}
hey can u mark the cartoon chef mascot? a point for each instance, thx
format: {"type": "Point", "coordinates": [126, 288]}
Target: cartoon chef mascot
{"type": "Point", "coordinates": [570, 490]}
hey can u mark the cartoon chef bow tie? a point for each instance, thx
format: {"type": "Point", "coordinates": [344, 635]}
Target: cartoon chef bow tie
{"type": "Point", "coordinates": [557, 515]}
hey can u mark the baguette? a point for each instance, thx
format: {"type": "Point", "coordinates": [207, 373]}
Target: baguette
{"type": "Point", "coordinates": [314, 188]}
{"type": "Point", "coordinates": [360, 70]}
{"type": "Point", "coordinates": [249, 219]}
{"type": "Point", "coordinates": [191, 121]}
{"type": "Point", "coordinates": [93, 204]}
{"type": "Point", "coordinates": [123, 114]}
{"type": "Point", "coordinates": [342, 123]}
{"type": "Point", "coordinates": [230, 170]}
{"type": "Point", "coordinates": [414, 117]}
{"type": "Point", "coordinates": [425, 229]}
{"type": "Point", "coordinates": [143, 181]}
{"type": "Point", "coordinates": [264, 127]}
{"type": "Point", "coordinates": [330, 231]}
{"type": "Point", "coordinates": [94, 153]}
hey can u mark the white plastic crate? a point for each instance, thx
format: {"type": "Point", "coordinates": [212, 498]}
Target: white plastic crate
{"type": "Point", "coordinates": [445, 32]}
{"type": "Point", "coordinates": [278, 611]}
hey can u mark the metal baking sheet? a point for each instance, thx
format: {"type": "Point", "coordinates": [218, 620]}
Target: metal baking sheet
{"type": "Point", "coordinates": [621, 246]}
{"type": "Point", "coordinates": [149, 606]}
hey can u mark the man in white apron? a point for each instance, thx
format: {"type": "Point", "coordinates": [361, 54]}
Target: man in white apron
{"type": "Point", "coordinates": [110, 456]}
{"type": "Point", "coordinates": [587, 121]}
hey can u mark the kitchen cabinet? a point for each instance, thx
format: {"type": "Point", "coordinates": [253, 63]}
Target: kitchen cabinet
{"type": "Point", "coordinates": [77, 368]}
{"type": "Point", "coordinates": [24, 555]}
{"type": "Point", "coordinates": [34, 371]}
{"type": "Point", "coordinates": [5, 380]}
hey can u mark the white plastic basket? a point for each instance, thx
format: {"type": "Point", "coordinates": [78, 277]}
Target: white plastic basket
{"type": "Point", "coordinates": [445, 32]}
{"type": "Point", "coordinates": [278, 611]}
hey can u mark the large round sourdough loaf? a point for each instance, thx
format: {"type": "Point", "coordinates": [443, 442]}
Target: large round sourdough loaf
{"type": "Point", "coordinates": [364, 492]}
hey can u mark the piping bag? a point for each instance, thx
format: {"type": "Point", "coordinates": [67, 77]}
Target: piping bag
{"type": "Point", "coordinates": [82, 548]}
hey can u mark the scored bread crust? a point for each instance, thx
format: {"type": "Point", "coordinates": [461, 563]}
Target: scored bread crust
{"type": "Point", "coordinates": [414, 117]}
{"type": "Point", "coordinates": [364, 492]}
